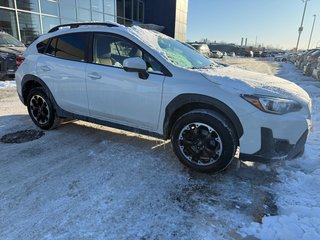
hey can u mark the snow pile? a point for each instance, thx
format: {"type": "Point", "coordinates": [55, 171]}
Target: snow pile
{"type": "Point", "coordinates": [298, 190]}
{"type": "Point", "coordinates": [7, 84]}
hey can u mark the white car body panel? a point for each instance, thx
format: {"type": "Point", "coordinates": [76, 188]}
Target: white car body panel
{"type": "Point", "coordinates": [67, 80]}
{"type": "Point", "coordinates": [124, 98]}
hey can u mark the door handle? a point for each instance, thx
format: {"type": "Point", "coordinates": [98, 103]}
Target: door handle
{"type": "Point", "coordinates": [45, 68]}
{"type": "Point", "coordinates": [94, 75]}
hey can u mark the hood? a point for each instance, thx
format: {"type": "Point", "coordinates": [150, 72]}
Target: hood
{"type": "Point", "coordinates": [13, 50]}
{"type": "Point", "coordinates": [247, 82]}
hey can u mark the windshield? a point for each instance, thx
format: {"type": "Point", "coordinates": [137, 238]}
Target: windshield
{"type": "Point", "coordinates": [8, 40]}
{"type": "Point", "coordinates": [181, 55]}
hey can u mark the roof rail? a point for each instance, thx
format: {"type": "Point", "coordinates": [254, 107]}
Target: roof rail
{"type": "Point", "coordinates": [76, 25]}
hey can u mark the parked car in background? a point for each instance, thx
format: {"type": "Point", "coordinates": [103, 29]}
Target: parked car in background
{"type": "Point", "coordinates": [11, 50]}
{"type": "Point", "coordinates": [303, 59]}
{"type": "Point", "coordinates": [282, 57]}
{"type": "Point", "coordinates": [265, 54]}
{"type": "Point", "coordinates": [316, 70]}
{"type": "Point", "coordinates": [312, 62]}
{"type": "Point", "coordinates": [257, 54]}
{"type": "Point", "coordinates": [248, 53]}
{"type": "Point", "coordinates": [202, 48]}
{"type": "Point", "coordinates": [231, 54]}
{"type": "Point", "coordinates": [216, 54]}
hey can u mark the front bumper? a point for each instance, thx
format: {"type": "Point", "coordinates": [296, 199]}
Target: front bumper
{"type": "Point", "coordinates": [276, 149]}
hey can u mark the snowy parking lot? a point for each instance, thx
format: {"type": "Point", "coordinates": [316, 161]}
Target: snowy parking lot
{"type": "Point", "coordinates": [86, 181]}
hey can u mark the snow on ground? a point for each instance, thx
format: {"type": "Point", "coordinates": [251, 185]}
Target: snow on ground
{"type": "Point", "coordinates": [86, 181]}
{"type": "Point", "coordinates": [298, 197]}
{"type": "Point", "coordinates": [7, 84]}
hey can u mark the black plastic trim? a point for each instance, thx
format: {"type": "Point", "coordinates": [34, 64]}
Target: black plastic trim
{"type": "Point", "coordinates": [76, 25]}
{"type": "Point", "coordinates": [185, 99]}
{"type": "Point", "coordinates": [276, 149]}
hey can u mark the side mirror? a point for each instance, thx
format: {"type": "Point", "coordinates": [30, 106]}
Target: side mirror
{"type": "Point", "coordinates": [136, 64]}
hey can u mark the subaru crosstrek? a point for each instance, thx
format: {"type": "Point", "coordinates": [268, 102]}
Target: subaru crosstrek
{"type": "Point", "coordinates": [143, 81]}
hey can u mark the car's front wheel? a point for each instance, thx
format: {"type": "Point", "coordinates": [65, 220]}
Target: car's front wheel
{"type": "Point", "coordinates": [204, 140]}
{"type": "Point", "coordinates": [41, 110]}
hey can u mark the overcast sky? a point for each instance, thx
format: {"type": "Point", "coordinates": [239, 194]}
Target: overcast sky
{"type": "Point", "coordinates": [273, 22]}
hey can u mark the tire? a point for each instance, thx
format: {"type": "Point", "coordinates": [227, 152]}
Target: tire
{"type": "Point", "coordinates": [204, 140]}
{"type": "Point", "coordinates": [41, 110]}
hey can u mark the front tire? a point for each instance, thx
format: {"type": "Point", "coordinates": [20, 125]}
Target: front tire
{"type": "Point", "coordinates": [204, 140]}
{"type": "Point", "coordinates": [41, 110]}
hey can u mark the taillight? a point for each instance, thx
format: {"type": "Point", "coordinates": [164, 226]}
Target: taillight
{"type": "Point", "coordinates": [19, 61]}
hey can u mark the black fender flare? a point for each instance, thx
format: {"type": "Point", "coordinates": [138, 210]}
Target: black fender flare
{"type": "Point", "coordinates": [201, 100]}
{"type": "Point", "coordinates": [29, 77]}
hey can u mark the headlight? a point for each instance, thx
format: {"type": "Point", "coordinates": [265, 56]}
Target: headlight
{"type": "Point", "coordinates": [273, 104]}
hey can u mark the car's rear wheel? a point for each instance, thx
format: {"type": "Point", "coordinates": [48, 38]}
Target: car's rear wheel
{"type": "Point", "coordinates": [204, 141]}
{"type": "Point", "coordinates": [41, 110]}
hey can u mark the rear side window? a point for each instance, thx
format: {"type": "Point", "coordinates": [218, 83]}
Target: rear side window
{"type": "Point", "coordinates": [51, 50]}
{"type": "Point", "coordinates": [41, 46]}
{"type": "Point", "coordinates": [72, 46]}
{"type": "Point", "coordinates": [68, 46]}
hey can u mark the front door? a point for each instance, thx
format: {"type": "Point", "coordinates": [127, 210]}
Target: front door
{"type": "Point", "coordinates": [119, 96]}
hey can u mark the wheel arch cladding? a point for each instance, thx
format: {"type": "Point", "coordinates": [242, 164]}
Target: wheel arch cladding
{"type": "Point", "coordinates": [29, 82]}
{"type": "Point", "coordinates": [188, 102]}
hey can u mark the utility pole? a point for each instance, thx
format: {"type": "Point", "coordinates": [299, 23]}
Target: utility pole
{"type": "Point", "coordinates": [301, 26]}
{"type": "Point", "coordinates": [314, 20]}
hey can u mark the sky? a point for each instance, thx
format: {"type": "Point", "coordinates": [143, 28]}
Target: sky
{"type": "Point", "coordinates": [272, 22]}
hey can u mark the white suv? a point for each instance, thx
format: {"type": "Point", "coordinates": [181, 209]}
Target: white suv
{"type": "Point", "coordinates": [143, 81]}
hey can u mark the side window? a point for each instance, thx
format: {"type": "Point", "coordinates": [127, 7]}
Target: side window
{"type": "Point", "coordinates": [41, 46]}
{"type": "Point", "coordinates": [71, 46]}
{"type": "Point", "coordinates": [51, 49]}
{"type": "Point", "coordinates": [112, 51]}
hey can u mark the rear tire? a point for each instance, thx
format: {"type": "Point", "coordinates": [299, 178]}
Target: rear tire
{"type": "Point", "coordinates": [204, 140]}
{"type": "Point", "coordinates": [41, 110]}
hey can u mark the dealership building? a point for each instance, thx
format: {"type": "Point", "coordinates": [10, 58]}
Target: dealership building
{"type": "Point", "coordinates": [26, 19]}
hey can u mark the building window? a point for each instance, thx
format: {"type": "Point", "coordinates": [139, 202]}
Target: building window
{"type": "Point", "coordinates": [109, 7]}
{"type": "Point", "coordinates": [128, 9]}
{"type": "Point", "coordinates": [29, 24]}
{"type": "Point", "coordinates": [83, 4]}
{"type": "Point", "coordinates": [8, 22]}
{"type": "Point", "coordinates": [141, 11]}
{"type": "Point", "coordinates": [84, 15]}
{"type": "Point", "coordinates": [120, 8]}
{"type": "Point", "coordinates": [97, 5]}
{"type": "Point", "coordinates": [7, 3]}
{"type": "Point", "coordinates": [109, 18]}
{"type": "Point", "coordinates": [97, 16]}
{"type": "Point", "coordinates": [30, 5]}
{"type": "Point", "coordinates": [49, 22]}
{"type": "Point", "coordinates": [68, 9]}
{"type": "Point", "coordinates": [50, 7]}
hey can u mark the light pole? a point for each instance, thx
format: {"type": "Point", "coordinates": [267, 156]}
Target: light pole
{"type": "Point", "coordinates": [301, 26]}
{"type": "Point", "coordinates": [314, 19]}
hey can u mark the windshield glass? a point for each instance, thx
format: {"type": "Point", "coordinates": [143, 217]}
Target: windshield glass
{"type": "Point", "coordinates": [7, 40]}
{"type": "Point", "coordinates": [181, 55]}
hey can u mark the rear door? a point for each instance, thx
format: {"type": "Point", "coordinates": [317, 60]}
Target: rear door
{"type": "Point", "coordinates": [63, 67]}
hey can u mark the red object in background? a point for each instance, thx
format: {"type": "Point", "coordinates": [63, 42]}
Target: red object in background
{"type": "Point", "coordinates": [19, 60]}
